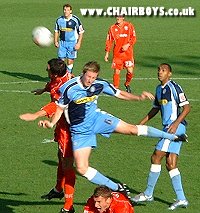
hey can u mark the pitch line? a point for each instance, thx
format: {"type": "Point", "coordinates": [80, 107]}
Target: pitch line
{"type": "Point", "coordinates": [15, 91]}
{"type": "Point", "coordinates": [21, 91]}
{"type": "Point", "coordinates": [19, 82]}
{"type": "Point", "coordinates": [139, 79]}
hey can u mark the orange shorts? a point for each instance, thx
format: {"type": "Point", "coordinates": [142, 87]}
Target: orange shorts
{"type": "Point", "coordinates": [63, 137]}
{"type": "Point", "coordinates": [122, 62]}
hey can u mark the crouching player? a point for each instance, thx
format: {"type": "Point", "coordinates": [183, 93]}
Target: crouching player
{"type": "Point", "coordinates": [105, 200]}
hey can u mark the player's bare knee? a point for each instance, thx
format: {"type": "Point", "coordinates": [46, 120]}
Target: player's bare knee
{"type": "Point", "coordinates": [81, 170]}
{"type": "Point", "coordinates": [170, 166]}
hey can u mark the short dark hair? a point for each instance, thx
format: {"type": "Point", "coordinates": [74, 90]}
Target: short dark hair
{"type": "Point", "coordinates": [92, 66]}
{"type": "Point", "coordinates": [67, 5]}
{"type": "Point", "coordinates": [102, 191]}
{"type": "Point", "coordinates": [168, 65]}
{"type": "Point", "coordinates": [57, 67]}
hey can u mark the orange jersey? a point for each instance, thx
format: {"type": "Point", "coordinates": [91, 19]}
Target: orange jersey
{"type": "Point", "coordinates": [119, 204]}
{"type": "Point", "coordinates": [61, 134]}
{"type": "Point", "coordinates": [121, 35]}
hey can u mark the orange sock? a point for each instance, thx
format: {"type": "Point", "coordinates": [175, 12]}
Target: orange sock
{"type": "Point", "coordinates": [116, 80]}
{"type": "Point", "coordinates": [129, 77]}
{"type": "Point", "coordinates": [69, 188]}
{"type": "Point", "coordinates": [60, 178]}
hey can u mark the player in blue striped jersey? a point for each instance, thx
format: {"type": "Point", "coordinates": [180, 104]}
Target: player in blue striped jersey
{"type": "Point", "coordinates": [79, 102]}
{"type": "Point", "coordinates": [68, 35]}
{"type": "Point", "coordinates": [171, 101]}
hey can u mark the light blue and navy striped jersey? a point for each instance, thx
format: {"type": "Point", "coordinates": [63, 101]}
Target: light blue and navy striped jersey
{"type": "Point", "coordinates": [69, 28]}
{"type": "Point", "coordinates": [81, 102]}
{"type": "Point", "coordinates": [169, 98]}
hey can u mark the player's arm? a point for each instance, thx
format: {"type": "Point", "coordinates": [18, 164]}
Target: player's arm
{"type": "Point", "coordinates": [55, 119]}
{"type": "Point", "coordinates": [38, 91]}
{"type": "Point", "coordinates": [185, 111]}
{"type": "Point", "coordinates": [132, 37]}
{"type": "Point", "coordinates": [41, 91]}
{"type": "Point", "coordinates": [79, 41]}
{"type": "Point", "coordinates": [131, 97]}
{"type": "Point", "coordinates": [32, 116]}
{"type": "Point", "coordinates": [56, 39]}
{"type": "Point", "coordinates": [109, 42]}
{"type": "Point", "coordinates": [47, 110]}
{"type": "Point", "coordinates": [149, 116]}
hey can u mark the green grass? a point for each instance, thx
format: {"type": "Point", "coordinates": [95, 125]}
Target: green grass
{"type": "Point", "coordinates": [28, 167]}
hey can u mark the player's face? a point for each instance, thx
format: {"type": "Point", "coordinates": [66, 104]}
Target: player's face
{"type": "Point", "coordinates": [50, 75]}
{"type": "Point", "coordinates": [119, 19]}
{"type": "Point", "coordinates": [102, 203]}
{"type": "Point", "coordinates": [67, 12]}
{"type": "Point", "coordinates": [164, 74]}
{"type": "Point", "coordinates": [88, 78]}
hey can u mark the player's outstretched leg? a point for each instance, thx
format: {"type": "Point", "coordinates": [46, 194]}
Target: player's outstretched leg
{"type": "Point", "coordinates": [97, 178]}
{"type": "Point", "coordinates": [149, 131]}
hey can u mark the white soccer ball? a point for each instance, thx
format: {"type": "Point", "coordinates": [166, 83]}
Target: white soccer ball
{"type": "Point", "coordinates": [42, 36]}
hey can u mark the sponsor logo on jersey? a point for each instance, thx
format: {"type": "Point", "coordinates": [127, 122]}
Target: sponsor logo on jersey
{"type": "Point", "coordinates": [123, 35]}
{"type": "Point", "coordinates": [86, 99]}
{"type": "Point", "coordinates": [67, 29]}
{"type": "Point", "coordinates": [126, 27]}
{"type": "Point", "coordinates": [92, 89]}
{"type": "Point", "coordinates": [163, 101]}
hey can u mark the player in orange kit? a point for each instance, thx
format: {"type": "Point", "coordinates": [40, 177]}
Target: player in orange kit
{"type": "Point", "coordinates": [122, 34]}
{"type": "Point", "coordinates": [104, 200]}
{"type": "Point", "coordinates": [65, 172]}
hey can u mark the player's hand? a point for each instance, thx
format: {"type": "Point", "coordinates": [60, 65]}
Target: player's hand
{"type": "Point", "coordinates": [106, 57]}
{"type": "Point", "coordinates": [147, 95]}
{"type": "Point", "coordinates": [56, 44]}
{"type": "Point", "coordinates": [45, 124]}
{"type": "Point", "coordinates": [77, 46]}
{"type": "Point", "coordinates": [125, 47]}
{"type": "Point", "coordinates": [37, 91]}
{"type": "Point", "coordinates": [173, 127]}
{"type": "Point", "coordinates": [28, 117]}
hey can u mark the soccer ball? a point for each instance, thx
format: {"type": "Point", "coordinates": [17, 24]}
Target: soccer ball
{"type": "Point", "coordinates": [42, 36]}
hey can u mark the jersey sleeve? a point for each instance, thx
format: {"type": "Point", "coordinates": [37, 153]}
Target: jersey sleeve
{"type": "Point", "coordinates": [56, 27]}
{"type": "Point", "coordinates": [109, 40]}
{"type": "Point", "coordinates": [50, 109]}
{"type": "Point", "coordinates": [132, 38]}
{"type": "Point", "coordinates": [109, 89]}
{"type": "Point", "coordinates": [63, 101]}
{"type": "Point", "coordinates": [120, 204]}
{"type": "Point", "coordinates": [156, 102]}
{"type": "Point", "coordinates": [80, 28]}
{"type": "Point", "coordinates": [181, 97]}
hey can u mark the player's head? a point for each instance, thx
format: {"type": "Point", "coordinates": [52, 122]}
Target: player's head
{"type": "Point", "coordinates": [164, 72]}
{"type": "Point", "coordinates": [90, 73]}
{"type": "Point", "coordinates": [119, 19]}
{"type": "Point", "coordinates": [56, 67]}
{"type": "Point", "coordinates": [67, 10]}
{"type": "Point", "coordinates": [102, 198]}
